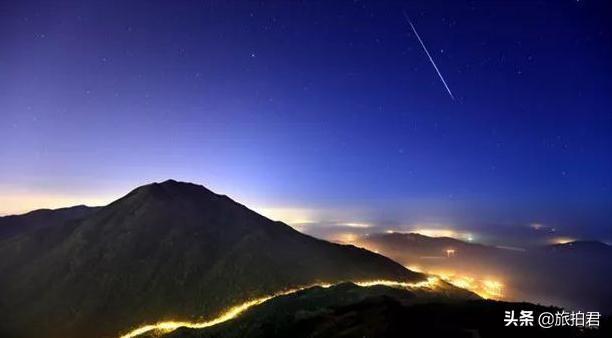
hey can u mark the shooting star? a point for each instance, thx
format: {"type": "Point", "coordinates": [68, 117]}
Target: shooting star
{"type": "Point", "coordinates": [429, 56]}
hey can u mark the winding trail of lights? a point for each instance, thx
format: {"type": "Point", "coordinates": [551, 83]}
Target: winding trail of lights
{"type": "Point", "coordinates": [235, 311]}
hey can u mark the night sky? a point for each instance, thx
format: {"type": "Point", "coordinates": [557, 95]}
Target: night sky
{"type": "Point", "coordinates": [319, 112]}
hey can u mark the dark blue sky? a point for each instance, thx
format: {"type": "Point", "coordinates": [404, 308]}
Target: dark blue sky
{"type": "Point", "coordinates": [330, 110]}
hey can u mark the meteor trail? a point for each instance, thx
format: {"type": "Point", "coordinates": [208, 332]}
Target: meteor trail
{"type": "Point", "coordinates": [429, 56]}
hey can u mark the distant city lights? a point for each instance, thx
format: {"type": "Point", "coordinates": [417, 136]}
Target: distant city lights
{"type": "Point", "coordinates": [562, 240]}
{"type": "Point", "coordinates": [354, 225]}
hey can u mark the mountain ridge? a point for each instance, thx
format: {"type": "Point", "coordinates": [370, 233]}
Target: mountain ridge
{"type": "Point", "coordinates": [12, 225]}
{"type": "Point", "coordinates": [163, 251]}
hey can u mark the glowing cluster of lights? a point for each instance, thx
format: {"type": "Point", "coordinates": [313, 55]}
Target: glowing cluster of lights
{"type": "Point", "coordinates": [562, 240]}
{"type": "Point", "coordinates": [345, 238]}
{"type": "Point", "coordinates": [485, 288]}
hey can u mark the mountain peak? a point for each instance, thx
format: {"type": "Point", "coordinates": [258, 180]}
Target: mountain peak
{"type": "Point", "coordinates": [172, 188]}
{"type": "Point", "coordinates": [172, 183]}
{"type": "Point", "coordinates": [170, 196]}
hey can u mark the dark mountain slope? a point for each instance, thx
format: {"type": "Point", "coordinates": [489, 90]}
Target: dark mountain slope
{"type": "Point", "coordinates": [164, 251]}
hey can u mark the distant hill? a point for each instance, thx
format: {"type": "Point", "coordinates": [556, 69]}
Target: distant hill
{"type": "Point", "coordinates": [413, 244]}
{"type": "Point", "coordinates": [166, 250]}
{"type": "Point", "coordinates": [582, 247]}
{"type": "Point", "coordinates": [349, 311]}
{"type": "Point", "coordinates": [534, 275]}
{"type": "Point", "coordinates": [37, 219]}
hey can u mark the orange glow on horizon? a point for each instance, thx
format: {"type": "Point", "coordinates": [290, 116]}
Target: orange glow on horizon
{"type": "Point", "coordinates": [290, 215]}
{"type": "Point", "coordinates": [354, 225]}
{"type": "Point", "coordinates": [17, 203]}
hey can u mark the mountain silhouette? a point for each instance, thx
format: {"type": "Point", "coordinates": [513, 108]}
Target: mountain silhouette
{"type": "Point", "coordinates": [164, 251]}
{"type": "Point", "coordinates": [582, 247]}
{"type": "Point", "coordinates": [41, 218]}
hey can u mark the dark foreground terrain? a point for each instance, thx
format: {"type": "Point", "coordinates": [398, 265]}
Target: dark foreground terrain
{"type": "Point", "coordinates": [348, 310]}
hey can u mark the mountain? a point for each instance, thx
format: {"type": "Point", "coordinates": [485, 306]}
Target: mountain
{"type": "Point", "coordinates": [582, 247]}
{"type": "Point", "coordinates": [37, 219]}
{"type": "Point", "coordinates": [350, 311]}
{"type": "Point", "coordinates": [168, 250]}
{"type": "Point", "coordinates": [413, 245]}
